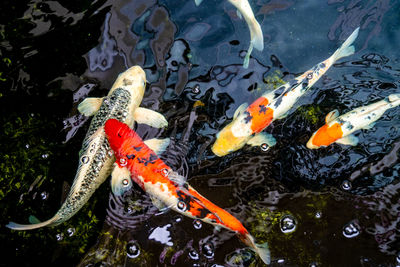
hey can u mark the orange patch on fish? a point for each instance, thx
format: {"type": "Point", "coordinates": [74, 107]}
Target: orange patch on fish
{"type": "Point", "coordinates": [261, 115]}
{"type": "Point", "coordinates": [327, 135]}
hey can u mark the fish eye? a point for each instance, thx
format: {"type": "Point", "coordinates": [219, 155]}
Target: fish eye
{"type": "Point", "coordinates": [181, 206]}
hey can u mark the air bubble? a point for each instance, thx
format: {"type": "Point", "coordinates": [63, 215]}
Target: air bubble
{"type": "Point", "coordinates": [60, 236]}
{"type": "Point", "coordinates": [208, 250]}
{"type": "Point", "coordinates": [45, 156]}
{"type": "Point", "coordinates": [398, 258]}
{"type": "Point", "coordinates": [27, 145]}
{"type": "Point", "coordinates": [132, 250]}
{"type": "Point", "coordinates": [164, 172]}
{"type": "Point", "coordinates": [44, 195]}
{"type": "Point", "coordinates": [318, 215]}
{"type": "Point", "coordinates": [264, 147]}
{"type": "Point", "coordinates": [309, 76]}
{"type": "Point", "coordinates": [110, 153]}
{"type": "Point", "coordinates": [181, 206]}
{"type": "Point", "coordinates": [313, 264]}
{"type": "Point", "coordinates": [123, 161]}
{"type": "Point", "coordinates": [280, 261]}
{"type": "Point", "coordinates": [85, 159]}
{"type": "Point", "coordinates": [125, 182]}
{"type": "Point", "coordinates": [196, 89]}
{"type": "Point", "coordinates": [178, 218]}
{"type": "Point", "coordinates": [71, 231]}
{"type": "Point", "coordinates": [346, 185]}
{"type": "Point", "coordinates": [351, 230]}
{"type": "Point", "coordinates": [193, 255]}
{"type": "Point", "coordinates": [197, 224]}
{"type": "Point", "coordinates": [288, 224]}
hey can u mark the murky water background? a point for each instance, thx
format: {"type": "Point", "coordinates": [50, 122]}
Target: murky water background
{"type": "Point", "coordinates": [337, 206]}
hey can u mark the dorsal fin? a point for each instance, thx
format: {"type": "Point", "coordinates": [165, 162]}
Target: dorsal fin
{"type": "Point", "coordinates": [331, 116]}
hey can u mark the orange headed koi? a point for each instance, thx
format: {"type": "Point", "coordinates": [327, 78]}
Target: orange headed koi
{"type": "Point", "coordinates": [339, 129]}
{"type": "Point", "coordinates": [248, 122]}
{"type": "Point", "coordinates": [137, 160]}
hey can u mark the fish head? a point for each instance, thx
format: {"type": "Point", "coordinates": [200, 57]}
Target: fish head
{"type": "Point", "coordinates": [117, 133]}
{"type": "Point", "coordinates": [325, 135]}
{"type": "Point", "coordinates": [133, 80]}
{"type": "Point", "coordinates": [228, 142]}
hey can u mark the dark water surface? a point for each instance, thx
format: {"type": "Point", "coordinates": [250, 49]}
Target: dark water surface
{"type": "Point", "coordinates": [336, 206]}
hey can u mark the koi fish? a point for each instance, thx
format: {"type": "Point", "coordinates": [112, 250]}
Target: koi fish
{"type": "Point", "coordinates": [96, 157]}
{"type": "Point", "coordinates": [249, 121]}
{"type": "Point", "coordinates": [339, 129]}
{"type": "Point", "coordinates": [167, 188]}
{"type": "Point", "coordinates": [256, 35]}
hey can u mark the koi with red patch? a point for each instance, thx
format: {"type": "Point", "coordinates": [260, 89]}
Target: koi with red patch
{"type": "Point", "coordinates": [339, 129]}
{"type": "Point", "coordinates": [249, 121]}
{"type": "Point", "coordinates": [166, 187]}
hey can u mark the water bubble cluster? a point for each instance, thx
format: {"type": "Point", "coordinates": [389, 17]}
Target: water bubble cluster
{"type": "Point", "coordinates": [208, 250]}
{"type": "Point", "coordinates": [132, 250]}
{"type": "Point", "coordinates": [45, 156]}
{"type": "Point", "coordinates": [351, 230]}
{"type": "Point", "coordinates": [288, 224]}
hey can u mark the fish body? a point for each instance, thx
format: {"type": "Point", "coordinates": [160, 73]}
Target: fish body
{"type": "Point", "coordinates": [339, 129]}
{"type": "Point", "coordinates": [167, 188]}
{"type": "Point", "coordinates": [249, 122]}
{"type": "Point", "coordinates": [256, 36]}
{"type": "Point", "coordinates": [96, 157]}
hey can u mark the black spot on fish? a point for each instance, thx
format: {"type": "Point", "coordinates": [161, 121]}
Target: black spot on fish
{"type": "Point", "coordinates": [203, 212]}
{"type": "Point", "coordinates": [131, 156]}
{"type": "Point", "coordinates": [137, 148]}
{"type": "Point", "coordinates": [119, 135]}
{"type": "Point", "coordinates": [322, 65]}
{"type": "Point", "coordinates": [349, 126]}
{"type": "Point", "coordinates": [248, 118]}
{"type": "Point", "coordinates": [263, 109]}
{"type": "Point", "coordinates": [150, 160]}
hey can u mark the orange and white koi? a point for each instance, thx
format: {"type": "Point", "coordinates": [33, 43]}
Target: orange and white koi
{"type": "Point", "coordinates": [256, 35]}
{"type": "Point", "coordinates": [249, 121]}
{"type": "Point", "coordinates": [339, 129]}
{"type": "Point", "coordinates": [96, 158]}
{"type": "Point", "coordinates": [167, 188]}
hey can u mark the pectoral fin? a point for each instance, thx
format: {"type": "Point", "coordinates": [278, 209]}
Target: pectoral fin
{"type": "Point", "coordinates": [150, 117]}
{"type": "Point", "coordinates": [90, 106]}
{"type": "Point", "coordinates": [348, 140]}
{"type": "Point", "coordinates": [239, 110]}
{"type": "Point", "coordinates": [158, 145]}
{"type": "Point", "coordinates": [198, 2]}
{"type": "Point", "coordinates": [262, 138]}
{"type": "Point", "coordinates": [239, 14]}
{"type": "Point", "coordinates": [177, 178]}
{"type": "Point", "coordinates": [121, 180]}
{"type": "Point", "coordinates": [33, 219]}
{"type": "Point", "coordinates": [331, 116]}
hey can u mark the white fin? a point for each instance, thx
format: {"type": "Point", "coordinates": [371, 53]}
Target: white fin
{"type": "Point", "coordinates": [121, 180]}
{"type": "Point", "coordinates": [369, 126]}
{"type": "Point", "coordinates": [247, 56]}
{"type": "Point", "coordinates": [348, 140]}
{"type": "Point", "coordinates": [16, 226]}
{"type": "Point", "coordinates": [239, 14]}
{"type": "Point", "coordinates": [150, 117]}
{"type": "Point", "coordinates": [198, 2]}
{"type": "Point", "coordinates": [331, 116]}
{"type": "Point", "coordinates": [158, 145]}
{"type": "Point", "coordinates": [346, 49]}
{"type": "Point", "coordinates": [90, 106]}
{"type": "Point", "coordinates": [256, 35]}
{"type": "Point", "coordinates": [239, 110]}
{"type": "Point", "coordinates": [262, 138]}
{"type": "Point", "coordinates": [261, 249]}
{"type": "Point", "coordinates": [284, 115]}
{"type": "Point", "coordinates": [177, 178]}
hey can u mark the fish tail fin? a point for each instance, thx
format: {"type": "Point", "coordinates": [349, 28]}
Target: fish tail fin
{"type": "Point", "coordinates": [17, 226]}
{"type": "Point", "coordinates": [198, 2]}
{"type": "Point", "coordinates": [394, 98]}
{"type": "Point", "coordinates": [261, 249]}
{"type": "Point", "coordinates": [347, 48]}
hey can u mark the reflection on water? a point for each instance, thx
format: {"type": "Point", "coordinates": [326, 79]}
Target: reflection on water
{"type": "Point", "coordinates": [334, 206]}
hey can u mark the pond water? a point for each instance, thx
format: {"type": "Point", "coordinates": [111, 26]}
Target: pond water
{"type": "Point", "coordinates": [336, 206]}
